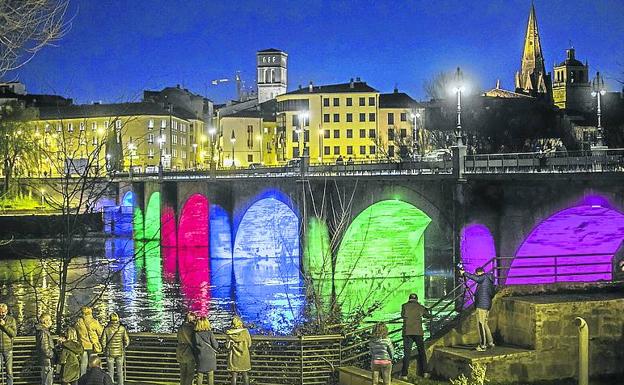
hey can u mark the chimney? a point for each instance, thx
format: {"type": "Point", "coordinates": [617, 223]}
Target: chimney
{"type": "Point", "coordinates": [310, 87]}
{"type": "Point", "coordinates": [396, 88]}
{"type": "Point", "coordinates": [357, 79]}
{"type": "Point", "coordinates": [300, 87]}
{"type": "Point", "coordinates": [351, 83]}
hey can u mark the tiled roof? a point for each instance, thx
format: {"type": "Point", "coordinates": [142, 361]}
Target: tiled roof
{"type": "Point", "coordinates": [110, 110]}
{"type": "Point", "coordinates": [265, 110]}
{"type": "Point", "coordinates": [397, 100]}
{"type": "Point", "coordinates": [335, 89]}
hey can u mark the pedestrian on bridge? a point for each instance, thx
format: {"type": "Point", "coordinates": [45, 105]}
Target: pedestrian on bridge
{"type": "Point", "coordinates": [412, 312]}
{"type": "Point", "coordinates": [483, 302]}
{"type": "Point", "coordinates": [382, 352]}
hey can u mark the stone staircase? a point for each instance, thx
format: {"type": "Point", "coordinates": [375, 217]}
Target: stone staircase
{"type": "Point", "coordinates": [536, 338]}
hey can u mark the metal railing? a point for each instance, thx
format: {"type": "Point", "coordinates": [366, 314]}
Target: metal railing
{"type": "Point", "coordinates": [552, 162]}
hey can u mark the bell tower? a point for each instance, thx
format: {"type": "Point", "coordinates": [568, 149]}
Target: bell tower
{"type": "Point", "coordinates": [272, 78]}
{"type": "Point", "coordinates": [571, 86]}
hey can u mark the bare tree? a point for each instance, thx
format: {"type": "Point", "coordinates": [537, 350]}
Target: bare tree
{"type": "Point", "coordinates": [26, 26]}
{"type": "Point", "coordinates": [16, 141]}
{"type": "Point", "coordinates": [442, 85]}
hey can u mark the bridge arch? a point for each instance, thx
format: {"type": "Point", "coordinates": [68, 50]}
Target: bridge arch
{"type": "Point", "coordinates": [152, 217]}
{"type": "Point", "coordinates": [193, 228]}
{"type": "Point", "coordinates": [576, 244]}
{"type": "Point", "coordinates": [128, 199]}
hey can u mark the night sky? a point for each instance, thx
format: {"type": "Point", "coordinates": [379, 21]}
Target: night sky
{"type": "Point", "coordinates": [116, 49]}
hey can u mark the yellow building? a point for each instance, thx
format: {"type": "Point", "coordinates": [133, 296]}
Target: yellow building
{"type": "Point", "coordinates": [248, 137]}
{"type": "Point", "coordinates": [117, 136]}
{"type": "Point", "coordinates": [343, 121]}
{"type": "Point", "coordinates": [402, 133]}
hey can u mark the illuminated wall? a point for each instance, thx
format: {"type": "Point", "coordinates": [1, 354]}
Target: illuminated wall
{"type": "Point", "coordinates": [317, 251]}
{"type": "Point", "coordinates": [138, 224]}
{"type": "Point", "coordinates": [384, 242]}
{"type": "Point", "coordinates": [193, 230]}
{"type": "Point", "coordinates": [128, 199]}
{"type": "Point", "coordinates": [477, 246]}
{"type": "Point", "coordinates": [266, 267]}
{"type": "Point", "coordinates": [154, 281]}
{"type": "Point", "coordinates": [220, 233]}
{"type": "Point", "coordinates": [169, 263]}
{"type": "Point", "coordinates": [168, 227]}
{"type": "Point", "coordinates": [584, 229]}
{"type": "Point", "coordinates": [152, 217]}
{"type": "Point", "coordinates": [194, 270]}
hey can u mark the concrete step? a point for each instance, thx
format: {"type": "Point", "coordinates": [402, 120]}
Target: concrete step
{"type": "Point", "coordinates": [502, 362]}
{"type": "Point", "coordinates": [351, 375]}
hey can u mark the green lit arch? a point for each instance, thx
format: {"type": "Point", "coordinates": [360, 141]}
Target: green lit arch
{"type": "Point", "coordinates": [152, 217]}
{"type": "Point", "coordinates": [381, 258]}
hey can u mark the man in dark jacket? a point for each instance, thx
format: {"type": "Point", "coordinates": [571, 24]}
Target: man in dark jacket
{"type": "Point", "coordinates": [45, 348]}
{"type": "Point", "coordinates": [483, 303]}
{"type": "Point", "coordinates": [412, 313]}
{"type": "Point", "coordinates": [184, 351]}
{"type": "Point", "coordinates": [8, 331]}
{"type": "Point", "coordinates": [95, 375]}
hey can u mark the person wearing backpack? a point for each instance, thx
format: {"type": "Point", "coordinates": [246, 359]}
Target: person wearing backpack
{"type": "Point", "coordinates": [115, 340]}
{"type": "Point", "coordinates": [483, 302]}
{"type": "Point", "coordinates": [89, 331]}
{"type": "Point", "coordinates": [69, 357]}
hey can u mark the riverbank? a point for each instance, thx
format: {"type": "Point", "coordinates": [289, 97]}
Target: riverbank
{"type": "Point", "coordinates": [25, 224]}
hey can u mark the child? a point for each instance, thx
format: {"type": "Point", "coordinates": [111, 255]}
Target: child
{"type": "Point", "coordinates": [381, 350]}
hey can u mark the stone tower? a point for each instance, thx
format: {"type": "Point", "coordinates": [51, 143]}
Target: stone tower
{"type": "Point", "coordinates": [272, 73]}
{"type": "Point", "coordinates": [571, 85]}
{"type": "Point", "coordinates": [532, 78]}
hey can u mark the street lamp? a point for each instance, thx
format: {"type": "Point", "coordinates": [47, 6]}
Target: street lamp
{"type": "Point", "coordinates": [302, 118]}
{"type": "Point", "coordinates": [259, 138]}
{"type": "Point", "coordinates": [132, 148]}
{"type": "Point", "coordinates": [459, 87]}
{"type": "Point", "coordinates": [598, 90]}
{"type": "Point", "coordinates": [233, 140]}
{"type": "Point", "coordinates": [108, 164]}
{"type": "Point", "coordinates": [212, 131]}
{"type": "Point", "coordinates": [195, 154]}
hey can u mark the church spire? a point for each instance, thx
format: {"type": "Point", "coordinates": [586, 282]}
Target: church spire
{"type": "Point", "coordinates": [532, 77]}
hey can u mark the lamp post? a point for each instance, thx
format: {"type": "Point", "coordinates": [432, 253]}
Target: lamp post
{"type": "Point", "coordinates": [415, 136]}
{"type": "Point", "coordinates": [212, 131]}
{"type": "Point", "coordinates": [459, 87]}
{"type": "Point", "coordinates": [598, 90]}
{"type": "Point", "coordinates": [98, 134]}
{"type": "Point", "coordinates": [302, 118]}
{"type": "Point", "coordinates": [132, 148]}
{"type": "Point", "coordinates": [259, 137]}
{"type": "Point", "coordinates": [233, 141]}
{"type": "Point", "coordinates": [108, 164]}
{"type": "Point", "coordinates": [195, 155]}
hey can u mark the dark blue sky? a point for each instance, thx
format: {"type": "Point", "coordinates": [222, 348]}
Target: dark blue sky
{"type": "Point", "coordinates": [118, 48]}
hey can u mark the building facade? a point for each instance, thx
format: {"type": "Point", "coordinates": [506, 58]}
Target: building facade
{"type": "Point", "coordinates": [117, 137]}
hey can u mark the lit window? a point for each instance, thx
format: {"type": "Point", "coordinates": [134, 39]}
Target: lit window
{"type": "Point", "coordinates": [150, 138]}
{"type": "Point", "coordinates": [93, 126]}
{"type": "Point", "coordinates": [47, 127]}
{"type": "Point", "coordinates": [118, 124]}
{"type": "Point", "coordinates": [150, 123]}
{"type": "Point", "coordinates": [163, 123]}
{"type": "Point", "coordinates": [82, 126]}
{"type": "Point", "coordinates": [336, 150]}
{"type": "Point", "coordinates": [150, 153]}
{"type": "Point", "coordinates": [59, 127]}
{"type": "Point", "coordinates": [174, 139]}
{"type": "Point", "coordinates": [183, 153]}
{"type": "Point", "coordinates": [174, 153]}
{"type": "Point", "coordinates": [371, 101]}
{"type": "Point", "coordinates": [70, 127]}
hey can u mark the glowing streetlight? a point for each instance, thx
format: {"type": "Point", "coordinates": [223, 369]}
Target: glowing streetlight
{"type": "Point", "coordinates": [598, 90]}
{"type": "Point", "coordinates": [320, 141]}
{"type": "Point", "coordinates": [459, 88]}
{"type": "Point", "coordinates": [161, 142]}
{"type": "Point", "coordinates": [233, 140]}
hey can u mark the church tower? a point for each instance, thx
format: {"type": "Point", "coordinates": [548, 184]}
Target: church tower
{"type": "Point", "coordinates": [571, 86]}
{"type": "Point", "coordinates": [532, 78]}
{"type": "Point", "coordinates": [272, 75]}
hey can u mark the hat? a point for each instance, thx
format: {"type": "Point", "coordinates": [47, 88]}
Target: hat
{"type": "Point", "coordinates": [413, 296]}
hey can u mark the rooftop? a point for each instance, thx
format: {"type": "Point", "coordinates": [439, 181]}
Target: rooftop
{"type": "Point", "coordinates": [351, 87]}
{"type": "Point", "coordinates": [110, 110]}
{"type": "Point", "coordinates": [397, 100]}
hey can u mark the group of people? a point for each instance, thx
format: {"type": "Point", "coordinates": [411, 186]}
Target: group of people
{"type": "Point", "coordinates": [74, 356]}
{"type": "Point", "coordinates": [412, 313]}
{"type": "Point", "coordinates": [197, 349]}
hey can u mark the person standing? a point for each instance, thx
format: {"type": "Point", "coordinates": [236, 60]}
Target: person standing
{"type": "Point", "coordinates": [8, 331]}
{"type": "Point", "coordinates": [45, 348]}
{"type": "Point", "coordinates": [95, 375]}
{"type": "Point", "coordinates": [483, 303]}
{"type": "Point", "coordinates": [89, 331]}
{"type": "Point", "coordinates": [69, 357]}
{"type": "Point", "coordinates": [115, 340]}
{"type": "Point", "coordinates": [382, 352]}
{"type": "Point", "coordinates": [238, 343]}
{"type": "Point", "coordinates": [184, 350]}
{"type": "Point", "coordinates": [412, 312]}
{"type": "Point", "coordinates": [206, 346]}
